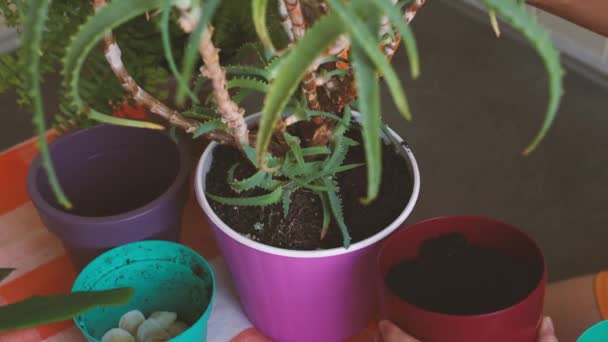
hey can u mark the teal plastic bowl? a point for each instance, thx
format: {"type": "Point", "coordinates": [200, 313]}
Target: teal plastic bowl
{"type": "Point", "coordinates": [166, 277]}
{"type": "Point", "coordinates": [597, 333]}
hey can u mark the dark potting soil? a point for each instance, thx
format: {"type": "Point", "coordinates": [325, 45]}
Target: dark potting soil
{"type": "Point", "coordinates": [452, 276]}
{"type": "Point", "coordinates": [301, 229]}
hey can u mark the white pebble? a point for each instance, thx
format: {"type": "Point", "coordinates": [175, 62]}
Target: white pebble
{"type": "Point", "coordinates": [131, 321]}
{"type": "Point", "coordinates": [151, 331]}
{"type": "Point", "coordinates": [164, 318]}
{"type": "Point", "coordinates": [177, 328]}
{"type": "Point", "coordinates": [117, 335]}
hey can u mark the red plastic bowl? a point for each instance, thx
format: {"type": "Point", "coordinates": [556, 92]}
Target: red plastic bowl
{"type": "Point", "coordinates": [518, 323]}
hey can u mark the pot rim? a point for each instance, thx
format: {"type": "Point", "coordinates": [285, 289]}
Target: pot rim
{"type": "Point", "coordinates": [78, 283]}
{"type": "Point", "coordinates": [204, 165]}
{"type": "Point", "coordinates": [540, 285]}
{"type": "Point", "coordinates": [45, 207]}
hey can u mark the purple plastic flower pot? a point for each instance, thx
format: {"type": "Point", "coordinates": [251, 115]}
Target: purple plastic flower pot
{"type": "Point", "coordinates": [322, 295]}
{"type": "Point", "coordinates": [126, 184]}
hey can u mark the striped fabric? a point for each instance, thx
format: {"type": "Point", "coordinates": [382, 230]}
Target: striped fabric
{"type": "Point", "coordinates": [43, 268]}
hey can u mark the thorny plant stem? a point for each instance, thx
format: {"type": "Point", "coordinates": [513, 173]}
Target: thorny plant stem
{"type": "Point", "coordinates": [113, 56]}
{"type": "Point", "coordinates": [231, 113]}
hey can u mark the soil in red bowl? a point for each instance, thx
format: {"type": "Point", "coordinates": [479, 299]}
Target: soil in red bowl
{"type": "Point", "coordinates": [452, 276]}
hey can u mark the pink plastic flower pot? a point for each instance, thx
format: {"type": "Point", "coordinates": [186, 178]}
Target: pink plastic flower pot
{"type": "Point", "coordinates": [517, 323]}
{"type": "Point", "coordinates": [323, 295]}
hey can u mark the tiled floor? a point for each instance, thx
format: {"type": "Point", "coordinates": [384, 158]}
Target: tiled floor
{"type": "Point", "coordinates": [477, 104]}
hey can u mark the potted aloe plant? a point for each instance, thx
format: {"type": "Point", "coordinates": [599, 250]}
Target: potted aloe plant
{"type": "Point", "coordinates": [299, 195]}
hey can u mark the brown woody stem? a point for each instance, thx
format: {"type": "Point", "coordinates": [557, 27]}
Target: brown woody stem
{"type": "Point", "coordinates": [113, 56]}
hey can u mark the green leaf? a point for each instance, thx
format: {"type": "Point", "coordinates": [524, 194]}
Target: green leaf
{"type": "Point", "coordinates": [258, 8]}
{"type": "Point", "coordinates": [314, 113]}
{"type": "Point", "coordinates": [326, 214]}
{"type": "Point", "coordinates": [518, 17]}
{"type": "Point", "coordinates": [241, 95]}
{"type": "Point", "coordinates": [113, 120]}
{"type": "Point", "coordinates": [211, 125]}
{"type": "Point", "coordinates": [230, 175]}
{"type": "Point", "coordinates": [191, 52]}
{"type": "Point", "coordinates": [31, 40]}
{"type": "Point", "coordinates": [310, 186]}
{"type": "Point", "coordinates": [317, 150]}
{"type": "Point", "coordinates": [295, 148]}
{"type": "Point", "coordinates": [335, 203]}
{"type": "Point", "coordinates": [5, 272]}
{"type": "Point", "coordinates": [263, 200]}
{"type": "Point", "coordinates": [290, 73]}
{"type": "Point", "coordinates": [289, 189]}
{"type": "Point", "coordinates": [407, 35]}
{"type": "Point", "coordinates": [248, 83]}
{"type": "Point", "coordinates": [166, 38]}
{"type": "Point", "coordinates": [339, 154]}
{"type": "Point", "coordinates": [250, 153]}
{"type": "Point", "coordinates": [39, 310]}
{"type": "Point", "coordinates": [368, 89]}
{"type": "Point", "coordinates": [249, 183]}
{"type": "Point", "coordinates": [244, 70]}
{"type": "Point", "coordinates": [367, 41]}
{"type": "Point", "coordinates": [344, 124]}
{"type": "Point", "coordinates": [90, 33]}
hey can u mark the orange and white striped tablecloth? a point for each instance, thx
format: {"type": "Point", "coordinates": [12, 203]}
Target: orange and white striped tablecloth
{"type": "Point", "coordinates": [42, 267]}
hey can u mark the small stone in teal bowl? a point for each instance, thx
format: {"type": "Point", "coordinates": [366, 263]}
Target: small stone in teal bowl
{"type": "Point", "coordinates": [597, 333]}
{"type": "Point", "coordinates": [166, 277]}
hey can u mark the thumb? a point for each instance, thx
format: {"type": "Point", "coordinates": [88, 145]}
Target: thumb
{"type": "Point", "coordinates": [392, 333]}
{"type": "Point", "coordinates": [547, 331]}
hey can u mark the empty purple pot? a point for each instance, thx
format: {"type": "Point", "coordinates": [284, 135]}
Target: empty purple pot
{"type": "Point", "coordinates": [303, 296]}
{"type": "Point", "coordinates": [126, 184]}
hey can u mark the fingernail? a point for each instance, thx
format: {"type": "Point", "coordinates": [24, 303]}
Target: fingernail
{"type": "Point", "coordinates": [548, 322]}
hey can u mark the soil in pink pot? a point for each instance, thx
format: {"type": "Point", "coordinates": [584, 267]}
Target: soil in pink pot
{"type": "Point", "coordinates": [301, 228]}
{"type": "Point", "coordinates": [452, 276]}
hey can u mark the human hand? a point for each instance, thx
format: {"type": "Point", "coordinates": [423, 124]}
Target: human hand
{"type": "Point", "coordinates": [391, 333]}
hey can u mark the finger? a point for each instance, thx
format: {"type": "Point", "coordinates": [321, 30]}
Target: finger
{"type": "Point", "coordinates": [547, 331]}
{"type": "Point", "coordinates": [392, 333]}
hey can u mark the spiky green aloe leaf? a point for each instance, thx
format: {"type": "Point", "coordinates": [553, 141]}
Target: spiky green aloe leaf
{"type": "Point", "coordinates": [335, 204]}
{"type": "Point", "coordinates": [295, 148]}
{"type": "Point", "coordinates": [230, 174]}
{"type": "Point", "coordinates": [5, 272]}
{"type": "Point", "coordinates": [327, 173]}
{"type": "Point", "coordinates": [290, 73]}
{"type": "Point", "coordinates": [211, 125]}
{"type": "Point", "coordinates": [258, 8]}
{"type": "Point", "coordinates": [407, 35]}
{"type": "Point", "coordinates": [241, 95]}
{"type": "Point", "coordinates": [338, 155]}
{"type": "Point", "coordinates": [316, 150]}
{"type": "Point", "coordinates": [262, 200]}
{"type": "Point", "coordinates": [313, 113]}
{"type": "Point", "coordinates": [287, 192]}
{"type": "Point", "coordinates": [359, 33]}
{"type": "Point", "coordinates": [517, 16]}
{"type": "Point", "coordinates": [249, 183]}
{"type": "Point", "coordinates": [32, 37]}
{"type": "Point", "coordinates": [294, 169]}
{"type": "Point", "coordinates": [41, 310]}
{"type": "Point", "coordinates": [368, 88]}
{"type": "Point", "coordinates": [166, 39]}
{"type": "Point", "coordinates": [89, 34]}
{"type": "Point", "coordinates": [248, 83]}
{"type": "Point", "coordinates": [344, 124]}
{"type": "Point", "coordinates": [208, 7]}
{"type": "Point", "coordinates": [245, 70]}
{"type": "Point", "coordinates": [326, 214]}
